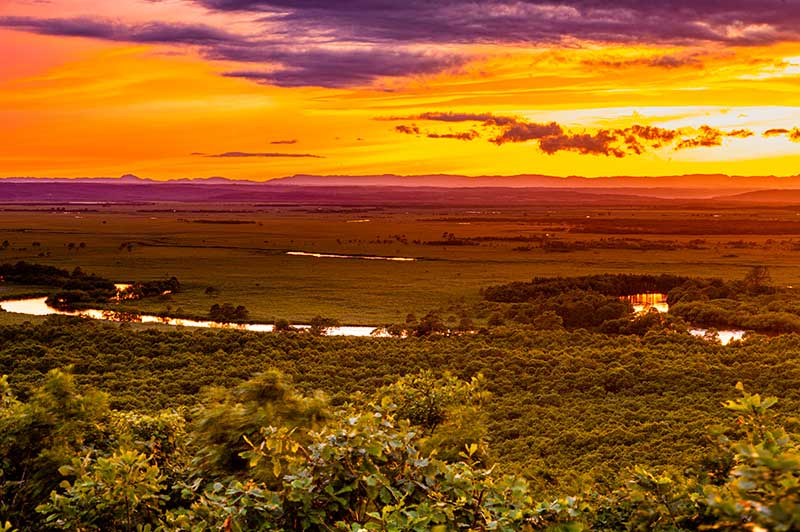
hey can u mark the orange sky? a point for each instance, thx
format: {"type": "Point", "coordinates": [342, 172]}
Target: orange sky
{"type": "Point", "coordinates": [109, 104]}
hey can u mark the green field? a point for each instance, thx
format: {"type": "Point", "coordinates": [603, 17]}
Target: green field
{"type": "Point", "coordinates": [246, 262]}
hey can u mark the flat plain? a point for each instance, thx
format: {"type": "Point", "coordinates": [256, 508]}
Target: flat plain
{"type": "Point", "coordinates": [237, 253]}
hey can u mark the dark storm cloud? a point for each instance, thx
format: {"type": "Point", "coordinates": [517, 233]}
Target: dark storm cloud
{"type": "Point", "coordinates": [553, 137]}
{"type": "Point", "coordinates": [235, 154]}
{"type": "Point", "coordinates": [153, 32]}
{"type": "Point", "coordinates": [290, 65]}
{"type": "Point", "coordinates": [329, 67]}
{"type": "Point", "coordinates": [532, 21]}
{"type": "Point", "coordinates": [349, 43]}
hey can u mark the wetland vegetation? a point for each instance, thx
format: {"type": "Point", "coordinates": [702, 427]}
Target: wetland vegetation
{"type": "Point", "coordinates": [550, 402]}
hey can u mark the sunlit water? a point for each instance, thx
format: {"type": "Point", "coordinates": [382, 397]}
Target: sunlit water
{"type": "Point", "coordinates": [338, 256]}
{"type": "Point", "coordinates": [39, 307]}
{"type": "Point", "coordinates": [725, 336]}
{"type": "Point", "coordinates": [646, 302]}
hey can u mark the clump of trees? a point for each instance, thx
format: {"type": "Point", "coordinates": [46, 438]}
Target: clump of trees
{"type": "Point", "coordinates": [227, 313]}
{"type": "Point", "coordinates": [78, 289]}
{"type": "Point", "coordinates": [320, 325]}
{"type": "Point", "coordinates": [593, 302]}
{"type": "Point", "coordinates": [612, 285]}
{"type": "Point", "coordinates": [142, 289]}
{"type": "Point", "coordinates": [38, 274]}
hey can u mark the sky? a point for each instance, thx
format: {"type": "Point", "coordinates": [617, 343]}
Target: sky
{"type": "Point", "coordinates": [259, 89]}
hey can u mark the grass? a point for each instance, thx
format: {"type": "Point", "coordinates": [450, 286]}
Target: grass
{"type": "Point", "coordinates": [246, 263]}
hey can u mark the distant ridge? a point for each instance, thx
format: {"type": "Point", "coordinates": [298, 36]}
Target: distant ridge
{"type": "Point", "coordinates": [416, 189]}
{"type": "Point", "coordinates": [715, 184]}
{"type": "Point", "coordinates": [784, 196]}
{"type": "Point", "coordinates": [688, 181]}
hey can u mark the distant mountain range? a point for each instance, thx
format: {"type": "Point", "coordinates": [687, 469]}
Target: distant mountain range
{"type": "Point", "coordinates": [711, 182]}
{"type": "Point", "coordinates": [413, 190]}
{"type": "Point", "coordinates": [689, 181]}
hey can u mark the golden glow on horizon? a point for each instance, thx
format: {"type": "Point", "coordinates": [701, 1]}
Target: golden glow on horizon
{"type": "Point", "coordinates": [86, 108]}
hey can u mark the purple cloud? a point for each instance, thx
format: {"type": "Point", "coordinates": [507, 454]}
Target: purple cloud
{"type": "Point", "coordinates": [152, 32]}
{"type": "Point", "coordinates": [463, 135]}
{"type": "Point", "coordinates": [332, 68]}
{"type": "Point", "coordinates": [290, 66]}
{"type": "Point", "coordinates": [235, 154]}
{"type": "Point", "coordinates": [552, 137]}
{"type": "Point", "coordinates": [660, 61]}
{"type": "Point", "coordinates": [348, 43]}
{"type": "Point", "coordinates": [408, 130]}
{"type": "Point", "coordinates": [531, 21]}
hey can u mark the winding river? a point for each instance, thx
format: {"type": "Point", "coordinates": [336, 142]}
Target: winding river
{"type": "Point", "coordinates": [38, 307]}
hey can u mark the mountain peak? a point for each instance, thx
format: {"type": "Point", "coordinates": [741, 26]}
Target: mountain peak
{"type": "Point", "coordinates": [130, 178]}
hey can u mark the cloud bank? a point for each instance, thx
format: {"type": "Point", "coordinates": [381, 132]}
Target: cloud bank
{"type": "Point", "coordinates": [348, 43]}
{"type": "Point", "coordinates": [552, 137]}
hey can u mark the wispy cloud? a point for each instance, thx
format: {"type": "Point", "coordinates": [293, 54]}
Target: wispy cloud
{"type": "Point", "coordinates": [235, 154]}
{"type": "Point", "coordinates": [666, 61]}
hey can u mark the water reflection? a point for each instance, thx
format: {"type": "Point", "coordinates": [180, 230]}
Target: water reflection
{"type": "Point", "coordinates": [38, 307]}
{"type": "Point", "coordinates": [338, 256]}
{"type": "Point", "coordinates": [645, 302]}
{"type": "Point", "coordinates": [725, 336]}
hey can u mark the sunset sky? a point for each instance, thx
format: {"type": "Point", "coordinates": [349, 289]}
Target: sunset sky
{"type": "Point", "coordinates": [257, 89]}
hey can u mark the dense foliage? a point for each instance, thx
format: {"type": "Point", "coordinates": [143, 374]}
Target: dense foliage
{"type": "Point", "coordinates": [594, 302]}
{"type": "Point", "coordinates": [228, 313]}
{"type": "Point", "coordinates": [564, 404]}
{"type": "Point", "coordinates": [37, 274]}
{"type": "Point", "coordinates": [78, 289]}
{"type": "Point", "coordinates": [72, 463]}
{"type": "Point", "coordinates": [609, 285]}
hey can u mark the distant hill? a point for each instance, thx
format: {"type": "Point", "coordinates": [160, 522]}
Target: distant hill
{"type": "Point", "coordinates": [713, 184]}
{"type": "Point", "coordinates": [764, 196]}
{"type": "Point", "coordinates": [49, 192]}
{"type": "Point", "coordinates": [393, 189]}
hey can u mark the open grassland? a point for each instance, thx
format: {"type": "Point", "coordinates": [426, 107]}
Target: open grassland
{"type": "Point", "coordinates": [240, 251]}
